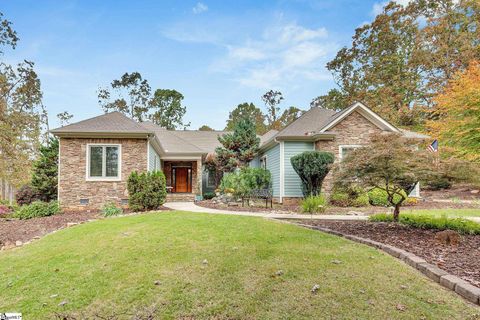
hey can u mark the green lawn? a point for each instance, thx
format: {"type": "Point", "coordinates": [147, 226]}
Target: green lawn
{"type": "Point", "coordinates": [111, 266]}
{"type": "Point", "coordinates": [454, 213]}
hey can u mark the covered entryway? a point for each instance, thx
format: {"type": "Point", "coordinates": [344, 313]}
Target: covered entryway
{"type": "Point", "coordinates": [181, 179]}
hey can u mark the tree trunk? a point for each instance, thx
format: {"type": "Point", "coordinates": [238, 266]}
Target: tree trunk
{"type": "Point", "coordinates": [396, 212]}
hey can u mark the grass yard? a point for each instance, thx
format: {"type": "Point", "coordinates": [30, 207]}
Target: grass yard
{"type": "Point", "coordinates": [453, 213]}
{"type": "Point", "coordinates": [195, 266]}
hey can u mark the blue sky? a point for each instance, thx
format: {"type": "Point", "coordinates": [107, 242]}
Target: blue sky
{"type": "Point", "coordinates": [217, 53]}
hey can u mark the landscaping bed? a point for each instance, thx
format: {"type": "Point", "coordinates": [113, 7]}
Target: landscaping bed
{"type": "Point", "coordinates": [17, 231]}
{"type": "Point", "coordinates": [289, 209]}
{"type": "Point", "coordinates": [462, 260]}
{"type": "Point", "coordinates": [13, 230]}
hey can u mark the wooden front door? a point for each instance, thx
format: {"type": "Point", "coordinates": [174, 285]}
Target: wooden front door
{"type": "Point", "coordinates": [183, 181]}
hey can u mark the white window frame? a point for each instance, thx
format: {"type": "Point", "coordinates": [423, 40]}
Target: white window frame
{"type": "Point", "coordinates": [346, 146]}
{"type": "Point", "coordinates": [104, 162]}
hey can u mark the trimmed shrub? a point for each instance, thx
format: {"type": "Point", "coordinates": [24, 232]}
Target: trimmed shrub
{"type": "Point", "coordinates": [438, 183]}
{"type": "Point", "coordinates": [312, 167]}
{"type": "Point", "coordinates": [208, 195]}
{"type": "Point", "coordinates": [37, 209]}
{"type": "Point", "coordinates": [26, 195]}
{"type": "Point", "coordinates": [314, 204]}
{"type": "Point", "coordinates": [379, 197]}
{"type": "Point", "coordinates": [361, 201]}
{"type": "Point", "coordinates": [110, 209]}
{"type": "Point", "coordinates": [349, 196]}
{"type": "Point", "coordinates": [461, 225]}
{"type": "Point", "coordinates": [229, 182]}
{"type": "Point", "coordinates": [244, 181]}
{"type": "Point", "coordinates": [147, 191]}
{"type": "Point", "coordinates": [340, 199]}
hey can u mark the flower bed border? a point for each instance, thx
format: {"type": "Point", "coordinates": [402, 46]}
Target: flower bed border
{"type": "Point", "coordinates": [449, 281]}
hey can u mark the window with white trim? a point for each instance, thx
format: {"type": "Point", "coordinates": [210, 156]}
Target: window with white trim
{"type": "Point", "coordinates": [344, 150]}
{"type": "Point", "coordinates": [103, 162]}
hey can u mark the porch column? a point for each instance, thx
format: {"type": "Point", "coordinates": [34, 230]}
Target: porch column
{"type": "Point", "coordinates": [197, 175]}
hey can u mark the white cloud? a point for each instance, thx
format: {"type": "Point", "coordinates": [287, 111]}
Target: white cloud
{"type": "Point", "coordinates": [245, 53]}
{"type": "Point", "coordinates": [283, 55]}
{"type": "Point", "coordinates": [200, 7]}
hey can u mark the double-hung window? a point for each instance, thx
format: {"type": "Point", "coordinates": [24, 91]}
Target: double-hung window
{"type": "Point", "coordinates": [103, 161]}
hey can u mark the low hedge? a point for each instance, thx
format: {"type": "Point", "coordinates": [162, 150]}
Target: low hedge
{"type": "Point", "coordinates": [37, 209]}
{"type": "Point", "coordinates": [461, 225]}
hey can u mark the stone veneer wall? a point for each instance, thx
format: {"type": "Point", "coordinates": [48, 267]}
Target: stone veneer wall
{"type": "Point", "coordinates": [354, 129]}
{"type": "Point", "coordinates": [72, 179]}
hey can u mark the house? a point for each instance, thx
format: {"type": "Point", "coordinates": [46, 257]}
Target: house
{"type": "Point", "coordinates": [323, 130]}
{"type": "Point", "coordinates": [98, 154]}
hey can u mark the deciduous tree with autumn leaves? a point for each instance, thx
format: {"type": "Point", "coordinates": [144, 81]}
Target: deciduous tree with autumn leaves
{"type": "Point", "coordinates": [457, 114]}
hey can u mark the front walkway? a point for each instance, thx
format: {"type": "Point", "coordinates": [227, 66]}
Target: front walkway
{"type": "Point", "coordinates": [192, 207]}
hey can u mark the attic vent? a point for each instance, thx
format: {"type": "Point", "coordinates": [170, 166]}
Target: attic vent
{"type": "Point", "coordinates": [84, 202]}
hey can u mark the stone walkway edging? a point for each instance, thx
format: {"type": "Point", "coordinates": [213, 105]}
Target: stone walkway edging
{"type": "Point", "coordinates": [449, 281]}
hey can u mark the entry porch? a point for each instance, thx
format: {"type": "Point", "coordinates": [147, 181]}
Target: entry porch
{"type": "Point", "coordinates": [183, 178]}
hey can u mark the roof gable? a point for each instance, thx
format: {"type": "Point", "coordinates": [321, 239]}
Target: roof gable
{"type": "Point", "coordinates": [364, 111]}
{"type": "Point", "coordinates": [108, 123]}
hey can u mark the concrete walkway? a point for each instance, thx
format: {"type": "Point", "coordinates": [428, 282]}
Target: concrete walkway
{"type": "Point", "coordinates": [192, 207]}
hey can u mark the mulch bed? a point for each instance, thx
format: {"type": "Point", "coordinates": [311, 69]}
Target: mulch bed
{"type": "Point", "coordinates": [277, 208]}
{"type": "Point", "coordinates": [12, 230]}
{"type": "Point", "coordinates": [462, 260]}
{"type": "Point", "coordinates": [460, 192]}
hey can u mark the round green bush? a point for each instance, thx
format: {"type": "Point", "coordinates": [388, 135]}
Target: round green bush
{"type": "Point", "coordinates": [208, 195]}
{"type": "Point", "coordinates": [37, 209]}
{"type": "Point", "coordinates": [147, 191]}
{"type": "Point", "coordinates": [349, 196]}
{"type": "Point", "coordinates": [379, 197]}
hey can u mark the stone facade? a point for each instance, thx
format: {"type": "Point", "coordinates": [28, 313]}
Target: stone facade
{"type": "Point", "coordinates": [355, 129]}
{"type": "Point", "coordinates": [73, 184]}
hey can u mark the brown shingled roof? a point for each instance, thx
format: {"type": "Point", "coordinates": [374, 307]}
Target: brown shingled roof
{"type": "Point", "coordinates": [113, 122]}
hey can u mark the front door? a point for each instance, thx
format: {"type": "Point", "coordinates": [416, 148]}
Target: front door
{"type": "Point", "coordinates": [183, 179]}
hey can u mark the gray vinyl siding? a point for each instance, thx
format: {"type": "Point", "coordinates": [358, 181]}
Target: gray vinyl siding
{"type": "Point", "coordinates": [293, 184]}
{"type": "Point", "coordinates": [273, 165]}
{"type": "Point", "coordinates": [153, 159]}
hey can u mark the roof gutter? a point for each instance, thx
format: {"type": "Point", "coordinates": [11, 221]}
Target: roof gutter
{"type": "Point", "coordinates": [135, 135]}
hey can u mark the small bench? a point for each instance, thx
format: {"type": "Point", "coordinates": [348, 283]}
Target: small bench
{"type": "Point", "coordinates": [265, 194]}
